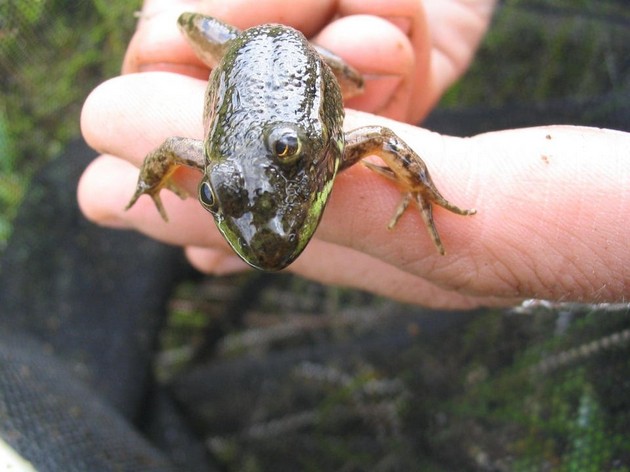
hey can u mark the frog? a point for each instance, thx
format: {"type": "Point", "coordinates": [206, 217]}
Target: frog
{"type": "Point", "coordinates": [273, 142]}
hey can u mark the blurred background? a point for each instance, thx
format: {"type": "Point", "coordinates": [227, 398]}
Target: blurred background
{"type": "Point", "coordinates": [272, 372]}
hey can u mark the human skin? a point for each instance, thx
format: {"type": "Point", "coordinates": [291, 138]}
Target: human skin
{"type": "Point", "coordinates": [552, 202]}
{"type": "Point", "coordinates": [407, 63]}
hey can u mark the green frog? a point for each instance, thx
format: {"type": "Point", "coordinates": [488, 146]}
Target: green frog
{"type": "Point", "coordinates": [274, 142]}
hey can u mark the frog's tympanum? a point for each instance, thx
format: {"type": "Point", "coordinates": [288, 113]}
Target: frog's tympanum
{"type": "Point", "coordinates": [273, 142]}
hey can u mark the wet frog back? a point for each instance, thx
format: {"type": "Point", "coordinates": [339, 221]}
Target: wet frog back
{"type": "Point", "coordinates": [273, 128]}
{"type": "Point", "coordinates": [270, 74]}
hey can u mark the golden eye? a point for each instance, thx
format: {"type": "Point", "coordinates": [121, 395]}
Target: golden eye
{"type": "Point", "coordinates": [285, 143]}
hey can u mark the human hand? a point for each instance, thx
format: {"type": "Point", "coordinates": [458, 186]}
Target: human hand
{"type": "Point", "coordinates": [552, 204]}
{"type": "Point", "coordinates": [410, 51]}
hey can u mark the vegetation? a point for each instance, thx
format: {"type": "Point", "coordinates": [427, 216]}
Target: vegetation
{"type": "Point", "coordinates": [52, 53]}
{"type": "Point", "coordinates": [574, 55]}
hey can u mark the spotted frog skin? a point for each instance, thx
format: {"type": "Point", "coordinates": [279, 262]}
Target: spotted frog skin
{"type": "Point", "coordinates": [273, 142]}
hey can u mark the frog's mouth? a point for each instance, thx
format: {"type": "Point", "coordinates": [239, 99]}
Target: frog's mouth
{"type": "Point", "coordinates": [263, 248]}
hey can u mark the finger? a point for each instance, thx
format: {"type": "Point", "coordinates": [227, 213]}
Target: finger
{"type": "Point", "coordinates": [105, 189]}
{"type": "Point", "coordinates": [309, 16]}
{"type": "Point", "coordinates": [548, 199]}
{"type": "Point", "coordinates": [384, 56]}
{"type": "Point", "coordinates": [336, 265]}
{"type": "Point", "coordinates": [104, 184]}
{"type": "Point", "coordinates": [158, 44]}
{"type": "Point", "coordinates": [417, 95]}
{"type": "Point", "coordinates": [348, 268]}
{"type": "Point", "coordinates": [129, 116]}
{"type": "Point", "coordinates": [549, 208]}
{"type": "Point", "coordinates": [380, 52]}
{"type": "Point", "coordinates": [405, 14]}
{"type": "Point", "coordinates": [462, 25]}
{"type": "Point", "coordinates": [213, 261]}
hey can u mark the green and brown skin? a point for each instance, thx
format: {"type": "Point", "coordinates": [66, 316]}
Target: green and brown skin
{"type": "Point", "coordinates": [274, 142]}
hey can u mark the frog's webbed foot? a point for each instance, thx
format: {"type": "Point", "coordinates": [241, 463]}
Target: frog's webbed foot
{"type": "Point", "coordinates": [159, 166]}
{"type": "Point", "coordinates": [405, 168]}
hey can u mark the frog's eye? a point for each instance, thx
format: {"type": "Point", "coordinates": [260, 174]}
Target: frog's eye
{"type": "Point", "coordinates": [207, 198]}
{"type": "Point", "coordinates": [285, 143]}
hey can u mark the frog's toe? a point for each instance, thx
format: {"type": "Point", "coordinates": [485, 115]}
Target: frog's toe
{"type": "Point", "coordinates": [158, 204]}
{"type": "Point", "coordinates": [155, 196]}
{"type": "Point", "coordinates": [426, 211]}
{"type": "Point", "coordinates": [455, 209]}
{"type": "Point", "coordinates": [381, 170]}
{"type": "Point", "coordinates": [400, 210]}
{"type": "Point", "coordinates": [434, 196]}
{"type": "Point", "coordinates": [140, 189]}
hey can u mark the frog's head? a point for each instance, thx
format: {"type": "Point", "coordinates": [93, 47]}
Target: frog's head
{"type": "Point", "coordinates": [268, 195]}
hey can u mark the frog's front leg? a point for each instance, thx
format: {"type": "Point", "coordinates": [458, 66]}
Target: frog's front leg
{"type": "Point", "coordinates": [161, 163]}
{"type": "Point", "coordinates": [404, 167]}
